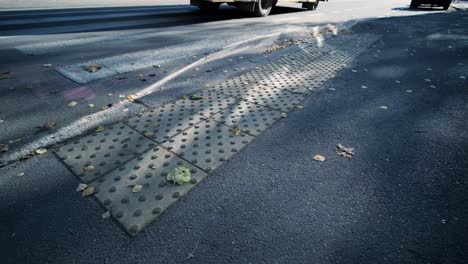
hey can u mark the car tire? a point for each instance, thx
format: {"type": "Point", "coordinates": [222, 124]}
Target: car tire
{"type": "Point", "coordinates": [447, 4]}
{"type": "Point", "coordinates": [263, 8]}
{"type": "Point", "coordinates": [310, 6]}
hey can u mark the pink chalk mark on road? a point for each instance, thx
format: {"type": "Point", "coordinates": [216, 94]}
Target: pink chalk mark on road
{"type": "Point", "coordinates": [79, 92]}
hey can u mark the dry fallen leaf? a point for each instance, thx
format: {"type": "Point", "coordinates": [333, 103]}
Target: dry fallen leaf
{"type": "Point", "coordinates": [1, 121]}
{"type": "Point", "coordinates": [46, 127]}
{"type": "Point", "coordinates": [319, 158]}
{"type": "Point", "coordinates": [148, 134]}
{"type": "Point", "coordinates": [137, 188]}
{"type": "Point", "coordinates": [100, 129]}
{"type": "Point", "coordinates": [299, 106]}
{"type": "Point", "coordinates": [92, 68]}
{"type": "Point", "coordinates": [3, 148]}
{"type": "Point", "coordinates": [383, 107]}
{"type": "Point", "coordinates": [236, 132]}
{"type": "Point", "coordinates": [284, 115]}
{"type": "Point", "coordinates": [195, 97]}
{"type": "Point", "coordinates": [88, 168]}
{"type": "Point", "coordinates": [91, 106]}
{"type": "Point", "coordinates": [50, 125]}
{"type": "Point", "coordinates": [88, 191]}
{"type": "Point", "coordinates": [81, 187]}
{"type": "Point", "coordinates": [20, 174]}
{"type": "Point", "coordinates": [105, 215]}
{"type": "Point", "coordinates": [155, 124]}
{"type": "Point", "coordinates": [343, 151]}
{"type": "Point", "coordinates": [41, 151]}
{"type": "Point", "coordinates": [72, 103]}
{"type": "Point", "coordinates": [5, 75]}
{"type": "Point", "coordinates": [48, 65]}
{"type": "Point", "coordinates": [131, 97]}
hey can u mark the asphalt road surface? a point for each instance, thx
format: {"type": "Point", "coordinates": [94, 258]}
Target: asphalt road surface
{"type": "Point", "coordinates": [401, 104]}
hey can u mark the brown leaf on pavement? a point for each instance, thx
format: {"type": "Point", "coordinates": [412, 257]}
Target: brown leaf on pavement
{"type": "Point", "coordinates": [5, 75]}
{"type": "Point", "coordinates": [88, 191]}
{"type": "Point", "coordinates": [137, 188]}
{"type": "Point", "coordinates": [344, 151]}
{"type": "Point", "coordinates": [319, 158]}
{"type": "Point", "coordinates": [131, 97]}
{"type": "Point", "coordinates": [3, 148]}
{"type": "Point", "coordinates": [46, 127]}
{"type": "Point", "coordinates": [41, 151]}
{"type": "Point", "coordinates": [88, 168]}
{"type": "Point", "coordinates": [236, 132]}
{"type": "Point", "coordinates": [72, 103]}
{"type": "Point", "coordinates": [92, 68]}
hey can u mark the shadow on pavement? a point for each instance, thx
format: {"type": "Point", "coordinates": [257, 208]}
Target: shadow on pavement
{"type": "Point", "coordinates": [40, 22]}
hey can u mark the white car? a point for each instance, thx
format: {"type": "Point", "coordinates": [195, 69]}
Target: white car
{"type": "Point", "coordinates": [257, 7]}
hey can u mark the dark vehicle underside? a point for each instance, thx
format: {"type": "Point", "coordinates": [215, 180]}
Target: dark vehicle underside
{"type": "Point", "coordinates": [444, 3]}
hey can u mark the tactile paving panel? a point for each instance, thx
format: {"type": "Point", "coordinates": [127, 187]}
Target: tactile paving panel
{"type": "Point", "coordinates": [249, 117]}
{"type": "Point", "coordinates": [281, 100]}
{"type": "Point", "coordinates": [275, 98]}
{"type": "Point", "coordinates": [210, 103]}
{"type": "Point", "coordinates": [163, 122]}
{"type": "Point", "coordinates": [104, 151]}
{"type": "Point", "coordinates": [241, 107]}
{"type": "Point", "coordinates": [207, 144]}
{"type": "Point", "coordinates": [135, 208]}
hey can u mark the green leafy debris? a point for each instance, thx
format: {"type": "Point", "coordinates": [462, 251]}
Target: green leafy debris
{"type": "Point", "coordinates": [180, 175]}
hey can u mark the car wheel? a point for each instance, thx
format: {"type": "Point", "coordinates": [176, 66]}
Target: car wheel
{"type": "Point", "coordinates": [447, 4]}
{"type": "Point", "coordinates": [414, 4]}
{"type": "Point", "coordinates": [263, 7]}
{"type": "Point", "coordinates": [310, 6]}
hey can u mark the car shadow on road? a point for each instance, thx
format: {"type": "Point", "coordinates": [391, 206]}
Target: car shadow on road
{"type": "Point", "coordinates": [418, 9]}
{"type": "Point", "coordinates": [40, 22]}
